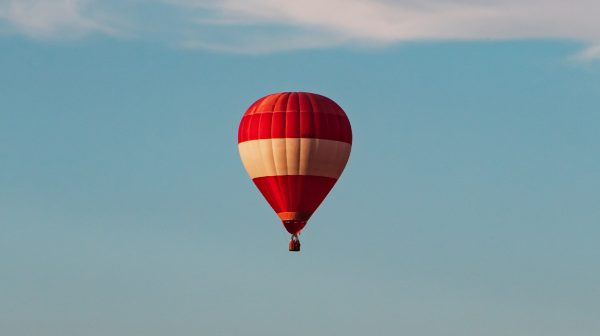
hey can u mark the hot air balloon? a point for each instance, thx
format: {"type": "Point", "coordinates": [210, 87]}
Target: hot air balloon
{"type": "Point", "coordinates": [294, 146]}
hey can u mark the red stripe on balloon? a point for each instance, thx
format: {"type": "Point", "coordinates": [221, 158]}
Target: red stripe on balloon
{"type": "Point", "coordinates": [295, 115]}
{"type": "Point", "coordinates": [294, 193]}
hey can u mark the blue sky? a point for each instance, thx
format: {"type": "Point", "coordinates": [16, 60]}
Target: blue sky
{"type": "Point", "coordinates": [468, 207]}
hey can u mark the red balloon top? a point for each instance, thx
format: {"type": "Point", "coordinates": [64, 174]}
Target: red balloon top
{"type": "Point", "coordinates": [295, 115]}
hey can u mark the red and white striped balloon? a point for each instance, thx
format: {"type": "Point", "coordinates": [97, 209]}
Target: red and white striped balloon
{"type": "Point", "coordinates": [294, 146]}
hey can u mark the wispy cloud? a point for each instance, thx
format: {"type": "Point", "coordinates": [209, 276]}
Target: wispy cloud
{"type": "Point", "coordinates": [385, 22]}
{"type": "Point", "coordinates": [259, 26]}
{"type": "Point", "coordinates": [49, 19]}
{"type": "Point", "coordinates": [589, 53]}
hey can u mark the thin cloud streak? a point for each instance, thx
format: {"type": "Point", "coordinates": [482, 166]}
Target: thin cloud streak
{"type": "Point", "coordinates": [386, 22]}
{"type": "Point", "coordinates": [52, 19]}
{"type": "Point", "coordinates": [590, 53]}
{"type": "Point", "coordinates": [263, 26]}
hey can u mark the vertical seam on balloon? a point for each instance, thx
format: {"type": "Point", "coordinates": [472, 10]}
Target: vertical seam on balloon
{"type": "Point", "coordinates": [299, 132]}
{"type": "Point", "coordinates": [288, 187]}
{"type": "Point", "coordinates": [339, 131]}
{"type": "Point", "coordinates": [278, 180]}
{"type": "Point", "coordinates": [262, 161]}
{"type": "Point", "coordinates": [311, 150]}
{"type": "Point", "coordinates": [294, 97]}
{"type": "Point", "coordinates": [275, 185]}
{"type": "Point", "coordinates": [315, 110]}
{"type": "Point", "coordinates": [298, 143]}
{"type": "Point", "coordinates": [337, 120]}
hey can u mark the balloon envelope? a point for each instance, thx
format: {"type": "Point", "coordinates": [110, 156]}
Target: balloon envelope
{"type": "Point", "coordinates": [294, 146]}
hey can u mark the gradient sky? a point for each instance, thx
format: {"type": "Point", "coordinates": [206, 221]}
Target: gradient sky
{"type": "Point", "coordinates": [469, 205]}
